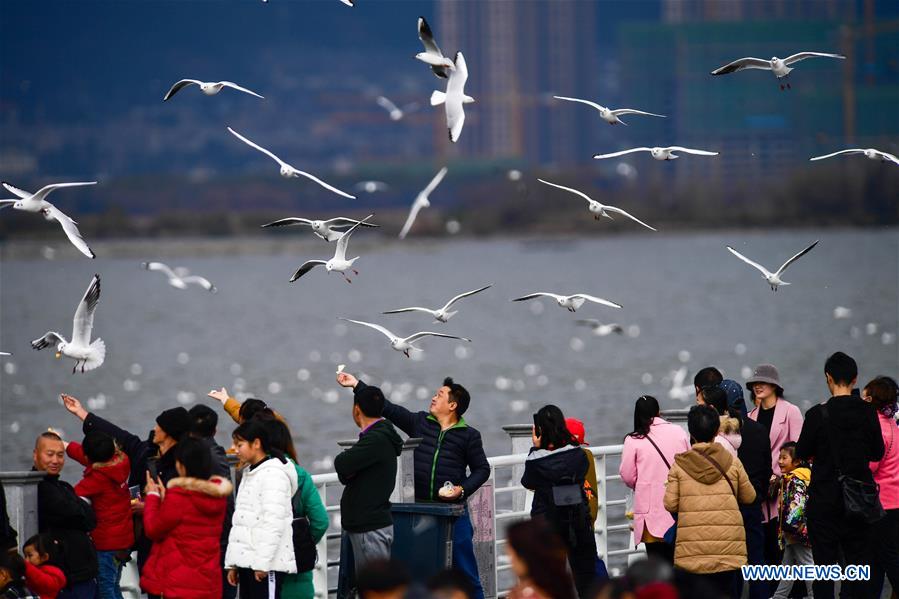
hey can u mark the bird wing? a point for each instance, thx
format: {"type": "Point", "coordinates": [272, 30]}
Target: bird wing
{"type": "Point", "coordinates": [49, 338]}
{"type": "Point", "coordinates": [376, 327]}
{"type": "Point", "coordinates": [621, 153]}
{"type": "Point", "coordinates": [412, 309]}
{"type": "Point", "coordinates": [427, 37]}
{"type": "Point", "coordinates": [849, 151]}
{"type": "Point", "coordinates": [589, 322]}
{"type": "Point", "coordinates": [179, 86]}
{"type": "Point", "coordinates": [796, 257]}
{"type": "Point", "coordinates": [466, 294]}
{"type": "Point", "coordinates": [44, 191]}
{"type": "Point", "coordinates": [458, 76]}
{"type": "Point", "coordinates": [160, 267]}
{"type": "Point", "coordinates": [434, 182]}
{"type": "Point", "coordinates": [8, 203]}
{"type": "Point", "coordinates": [587, 102]}
{"type": "Point", "coordinates": [887, 156]}
{"type": "Point", "coordinates": [15, 190]}
{"type": "Point", "coordinates": [691, 151]}
{"type": "Point", "coordinates": [306, 267]}
{"type": "Point", "coordinates": [574, 191]}
{"type": "Point", "coordinates": [260, 148]}
{"type": "Point", "coordinates": [386, 104]}
{"type": "Point", "coordinates": [83, 322]}
{"type": "Point", "coordinates": [630, 216]}
{"type": "Point", "coordinates": [233, 85]}
{"type": "Point", "coordinates": [621, 111]}
{"type": "Point", "coordinates": [292, 220]}
{"type": "Point", "coordinates": [742, 63]}
{"type": "Point", "coordinates": [325, 185]}
{"type": "Point", "coordinates": [340, 251]}
{"type": "Point", "coordinates": [413, 338]}
{"type": "Point", "coordinates": [417, 205]}
{"type": "Point", "coordinates": [755, 265]}
{"type": "Point", "coordinates": [201, 281]}
{"type": "Point", "coordinates": [70, 229]}
{"type": "Point", "coordinates": [538, 294]}
{"type": "Point", "coordinates": [803, 55]}
{"type": "Point", "coordinates": [597, 300]}
{"type": "Point", "coordinates": [347, 222]}
{"type": "Point", "coordinates": [455, 120]}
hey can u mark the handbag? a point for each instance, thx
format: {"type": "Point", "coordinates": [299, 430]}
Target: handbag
{"type": "Point", "coordinates": [860, 499]}
{"type": "Point", "coordinates": [670, 535]}
{"type": "Point", "coordinates": [304, 550]}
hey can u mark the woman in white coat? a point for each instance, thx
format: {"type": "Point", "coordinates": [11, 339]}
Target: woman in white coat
{"type": "Point", "coordinates": [260, 547]}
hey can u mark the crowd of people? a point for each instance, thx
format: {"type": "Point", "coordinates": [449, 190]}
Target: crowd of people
{"type": "Point", "coordinates": [766, 486]}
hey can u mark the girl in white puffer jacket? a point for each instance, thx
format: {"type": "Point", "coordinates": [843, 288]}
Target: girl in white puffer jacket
{"type": "Point", "coordinates": [260, 546]}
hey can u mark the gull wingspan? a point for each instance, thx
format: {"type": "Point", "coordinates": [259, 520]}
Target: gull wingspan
{"type": "Point", "coordinates": [796, 257]}
{"type": "Point", "coordinates": [233, 85]}
{"type": "Point", "coordinates": [630, 216]}
{"type": "Point", "coordinates": [621, 153]}
{"type": "Point", "coordinates": [803, 55]}
{"type": "Point", "coordinates": [597, 300]}
{"type": "Point", "coordinates": [755, 265]}
{"type": "Point", "coordinates": [832, 154]}
{"type": "Point", "coordinates": [466, 294]}
{"type": "Point", "coordinates": [574, 191]}
{"type": "Point", "coordinates": [258, 147]}
{"type": "Point", "coordinates": [376, 327]}
{"type": "Point", "coordinates": [71, 230]}
{"type": "Point", "coordinates": [179, 86]}
{"type": "Point", "coordinates": [742, 63]}
{"type": "Point", "coordinates": [83, 322]}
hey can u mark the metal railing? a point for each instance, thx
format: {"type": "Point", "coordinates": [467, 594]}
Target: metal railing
{"type": "Point", "coordinates": [511, 502]}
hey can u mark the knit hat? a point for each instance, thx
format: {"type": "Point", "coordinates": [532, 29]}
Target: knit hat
{"type": "Point", "coordinates": [576, 428]}
{"type": "Point", "coordinates": [764, 373]}
{"type": "Point", "coordinates": [735, 398]}
{"type": "Point", "coordinates": [175, 422]}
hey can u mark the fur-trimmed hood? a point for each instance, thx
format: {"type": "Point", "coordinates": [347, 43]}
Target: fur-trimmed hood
{"type": "Point", "coordinates": [117, 458]}
{"type": "Point", "coordinates": [214, 487]}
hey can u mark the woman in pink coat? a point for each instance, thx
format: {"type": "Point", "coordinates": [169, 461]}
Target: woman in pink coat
{"type": "Point", "coordinates": [647, 456]}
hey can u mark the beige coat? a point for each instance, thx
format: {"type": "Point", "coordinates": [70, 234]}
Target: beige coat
{"type": "Point", "coordinates": [710, 535]}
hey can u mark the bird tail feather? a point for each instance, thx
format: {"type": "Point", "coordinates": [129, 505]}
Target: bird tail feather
{"type": "Point", "coordinates": [98, 355]}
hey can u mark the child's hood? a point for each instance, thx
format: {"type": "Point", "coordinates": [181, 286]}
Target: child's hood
{"type": "Point", "coordinates": [205, 495]}
{"type": "Point", "coordinates": [118, 468]}
{"type": "Point", "coordinates": [803, 473]}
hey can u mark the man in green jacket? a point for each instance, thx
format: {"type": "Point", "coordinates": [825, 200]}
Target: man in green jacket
{"type": "Point", "coordinates": [368, 471]}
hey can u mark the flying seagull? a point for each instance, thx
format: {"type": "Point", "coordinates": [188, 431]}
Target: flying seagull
{"type": "Point", "coordinates": [779, 66]}
{"type": "Point", "coordinates": [599, 210]}
{"type": "Point", "coordinates": [37, 202]}
{"type": "Point", "coordinates": [179, 278]}
{"type": "Point", "coordinates": [395, 112]}
{"type": "Point", "coordinates": [607, 114]}
{"type": "Point", "coordinates": [339, 261]}
{"type": "Point", "coordinates": [441, 314]}
{"type": "Point", "coordinates": [89, 355]}
{"type": "Point", "coordinates": [600, 329]}
{"type": "Point", "coordinates": [569, 302]}
{"type": "Point", "coordinates": [869, 153]}
{"type": "Point", "coordinates": [773, 279]}
{"type": "Point", "coordinates": [658, 153]}
{"type": "Point", "coordinates": [422, 201]}
{"type": "Point", "coordinates": [286, 169]}
{"type": "Point", "coordinates": [454, 98]}
{"type": "Point", "coordinates": [326, 229]}
{"type": "Point", "coordinates": [210, 88]}
{"type": "Point", "coordinates": [432, 54]}
{"type": "Point", "coordinates": [404, 344]}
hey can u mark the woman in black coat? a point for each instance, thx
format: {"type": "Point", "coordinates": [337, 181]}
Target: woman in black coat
{"type": "Point", "coordinates": [555, 471]}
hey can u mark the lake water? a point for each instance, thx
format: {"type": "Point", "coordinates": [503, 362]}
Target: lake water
{"type": "Point", "coordinates": [687, 303]}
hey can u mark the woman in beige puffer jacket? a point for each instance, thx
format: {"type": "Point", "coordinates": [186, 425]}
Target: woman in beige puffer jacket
{"type": "Point", "coordinates": [710, 534]}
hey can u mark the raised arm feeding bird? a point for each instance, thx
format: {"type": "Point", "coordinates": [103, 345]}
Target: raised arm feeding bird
{"type": "Point", "coordinates": [422, 200]}
{"type": "Point", "coordinates": [454, 99]}
{"type": "Point", "coordinates": [440, 314]}
{"type": "Point", "coordinates": [569, 302]}
{"type": "Point", "coordinates": [610, 115]}
{"type": "Point", "coordinates": [179, 277]}
{"type": "Point", "coordinates": [339, 262]}
{"type": "Point", "coordinates": [432, 55]}
{"type": "Point", "coordinates": [37, 202]}
{"type": "Point", "coordinates": [598, 210]}
{"type": "Point", "coordinates": [326, 229]}
{"type": "Point", "coordinates": [870, 154]}
{"type": "Point", "coordinates": [774, 279]}
{"type": "Point", "coordinates": [89, 355]}
{"type": "Point", "coordinates": [210, 88]}
{"type": "Point", "coordinates": [287, 170]}
{"type": "Point", "coordinates": [779, 66]}
{"type": "Point", "coordinates": [404, 344]}
{"type": "Point", "coordinates": [657, 152]}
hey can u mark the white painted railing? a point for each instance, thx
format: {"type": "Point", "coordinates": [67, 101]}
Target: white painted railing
{"type": "Point", "coordinates": [511, 502]}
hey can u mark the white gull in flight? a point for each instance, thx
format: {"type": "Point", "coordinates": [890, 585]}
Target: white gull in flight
{"type": "Point", "coordinates": [610, 115]}
{"type": "Point", "coordinates": [773, 279]}
{"type": "Point", "coordinates": [422, 201]}
{"type": "Point", "coordinates": [404, 344]}
{"type": "Point", "coordinates": [779, 66]}
{"type": "Point", "coordinates": [870, 153]}
{"type": "Point", "coordinates": [210, 88]}
{"type": "Point", "coordinates": [326, 229]}
{"type": "Point", "coordinates": [87, 354]}
{"type": "Point", "coordinates": [339, 262]}
{"type": "Point", "coordinates": [658, 153]}
{"type": "Point", "coordinates": [599, 210]}
{"type": "Point", "coordinates": [440, 314]}
{"type": "Point", "coordinates": [454, 99]}
{"type": "Point", "coordinates": [179, 277]}
{"type": "Point", "coordinates": [569, 302]}
{"type": "Point", "coordinates": [432, 55]}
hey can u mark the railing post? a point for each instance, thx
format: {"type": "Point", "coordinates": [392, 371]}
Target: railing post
{"type": "Point", "coordinates": [320, 572]}
{"type": "Point", "coordinates": [21, 501]}
{"type": "Point", "coordinates": [520, 437]}
{"type": "Point", "coordinates": [602, 516]}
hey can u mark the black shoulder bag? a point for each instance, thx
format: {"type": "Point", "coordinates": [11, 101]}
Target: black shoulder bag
{"type": "Point", "coordinates": [860, 499]}
{"type": "Point", "coordinates": [304, 550]}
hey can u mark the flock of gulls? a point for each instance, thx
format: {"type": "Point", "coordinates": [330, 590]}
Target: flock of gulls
{"type": "Point", "coordinates": [89, 354]}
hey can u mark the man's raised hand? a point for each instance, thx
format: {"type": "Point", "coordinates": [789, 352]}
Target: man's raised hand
{"type": "Point", "coordinates": [73, 405]}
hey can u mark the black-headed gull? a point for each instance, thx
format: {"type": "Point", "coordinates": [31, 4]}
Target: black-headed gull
{"type": "Point", "coordinates": [657, 152]}
{"type": "Point", "coordinates": [404, 344]}
{"type": "Point", "coordinates": [569, 302]}
{"type": "Point", "coordinates": [598, 210]}
{"type": "Point", "coordinates": [454, 98]}
{"type": "Point", "coordinates": [396, 113]}
{"type": "Point", "coordinates": [422, 201]}
{"type": "Point", "coordinates": [88, 354]}
{"type": "Point", "coordinates": [326, 229]}
{"type": "Point", "coordinates": [610, 115]}
{"type": "Point", "coordinates": [286, 169]}
{"type": "Point", "coordinates": [870, 153]}
{"type": "Point", "coordinates": [339, 262]}
{"type": "Point", "coordinates": [36, 202]}
{"type": "Point", "coordinates": [773, 279]}
{"type": "Point", "coordinates": [210, 88]}
{"type": "Point", "coordinates": [779, 66]}
{"type": "Point", "coordinates": [432, 55]}
{"type": "Point", "coordinates": [601, 329]}
{"type": "Point", "coordinates": [441, 314]}
{"type": "Point", "coordinates": [179, 277]}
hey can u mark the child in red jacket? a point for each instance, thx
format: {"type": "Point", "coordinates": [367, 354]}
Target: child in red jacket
{"type": "Point", "coordinates": [41, 576]}
{"type": "Point", "coordinates": [105, 485]}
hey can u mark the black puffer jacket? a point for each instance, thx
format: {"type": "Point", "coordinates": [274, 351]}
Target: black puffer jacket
{"type": "Point", "coordinates": [68, 519]}
{"type": "Point", "coordinates": [443, 455]}
{"type": "Point", "coordinates": [141, 452]}
{"type": "Point", "coordinates": [755, 453]}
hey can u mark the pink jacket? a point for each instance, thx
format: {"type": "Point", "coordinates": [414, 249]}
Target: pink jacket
{"type": "Point", "coordinates": [643, 470]}
{"type": "Point", "coordinates": [785, 426]}
{"type": "Point", "coordinates": [886, 471]}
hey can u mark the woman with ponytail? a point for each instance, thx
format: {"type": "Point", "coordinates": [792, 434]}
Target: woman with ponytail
{"type": "Point", "coordinates": [647, 456]}
{"type": "Point", "coordinates": [260, 547]}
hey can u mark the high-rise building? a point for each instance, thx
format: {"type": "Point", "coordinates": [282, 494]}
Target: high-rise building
{"type": "Point", "coordinates": [682, 11]}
